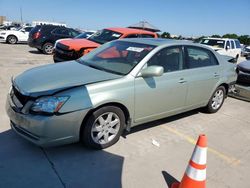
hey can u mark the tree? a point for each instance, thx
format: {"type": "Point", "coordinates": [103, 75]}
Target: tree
{"type": "Point", "coordinates": [231, 36]}
{"type": "Point", "coordinates": [244, 39]}
{"type": "Point", "coordinates": [166, 35]}
{"type": "Point", "coordinates": [216, 36]}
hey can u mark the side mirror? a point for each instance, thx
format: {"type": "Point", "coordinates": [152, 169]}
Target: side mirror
{"type": "Point", "coordinates": [227, 47]}
{"type": "Point", "coordinates": [152, 71]}
{"type": "Point", "coordinates": [22, 30]}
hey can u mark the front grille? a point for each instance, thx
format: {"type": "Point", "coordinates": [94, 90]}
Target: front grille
{"type": "Point", "coordinates": [66, 54]}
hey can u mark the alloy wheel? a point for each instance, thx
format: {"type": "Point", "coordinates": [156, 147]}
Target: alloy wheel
{"type": "Point", "coordinates": [217, 99]}
{"type": "Point", "coordinates": [105, 128]}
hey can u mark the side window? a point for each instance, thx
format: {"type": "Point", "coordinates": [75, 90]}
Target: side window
{"type": "Point", "coordinates": [132, 36]}
{"type": "Point", "coordinates": [27, 29]}
{"type": "Point", "coordinates": [237, 44]}
{"type": "Point", "coordinates": [232, 44]}
{"type": "Point", "coordinates": [73, 33]}
{"type": "Point", "coordinates": [146, 36]}
{"type": "Point", "coordinates": [61, 31]}
{"type": "Point", "coordinates": [169, 58]}
{"type": "Point", "coordinates": [199, 57]}
{"type": "Point", "coordinates": [227, 45]}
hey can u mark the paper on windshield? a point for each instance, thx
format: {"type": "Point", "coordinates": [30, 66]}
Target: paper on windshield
{"type": "Point", "coordinates": [135, 49]}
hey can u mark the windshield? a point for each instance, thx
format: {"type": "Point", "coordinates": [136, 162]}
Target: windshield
{"type": "Point", "coordinates": [84, 35]}
{"type": "Point", "coordinates": [118, 57]}
{"type": "Point", "coordinates": [104, 36]}
{"type": "Point", "coordinates": [213, 42]}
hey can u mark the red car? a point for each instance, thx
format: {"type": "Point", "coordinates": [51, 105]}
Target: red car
{"type": "Point", "coordinates": [71, 49]}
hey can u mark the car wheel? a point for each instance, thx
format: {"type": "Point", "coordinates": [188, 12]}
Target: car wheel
{"type": "Point", "coordinates": [216, 100]}
{"type": "Point", "coordinates": [12, 39]}
{"type": "Point", "coordinates": [236, 58]}
{"type": "Point", "coordinates": [48, 48]}
{"type": "Point", "coordinates": [103, 128]}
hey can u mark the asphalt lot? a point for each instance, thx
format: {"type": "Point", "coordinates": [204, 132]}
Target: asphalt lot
{"type": "Point", "coordinates": [132, 162]}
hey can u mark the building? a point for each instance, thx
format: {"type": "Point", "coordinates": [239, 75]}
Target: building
{"type": "Point", "coordinates": [34, 23]}
{"type": "Point", "coordinates": [2, 19]}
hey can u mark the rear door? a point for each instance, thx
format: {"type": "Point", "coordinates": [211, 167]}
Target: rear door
{"type": "Point", "coordinates": [157, 97]}
{"type": "Point", "coordinates": [202, 72]}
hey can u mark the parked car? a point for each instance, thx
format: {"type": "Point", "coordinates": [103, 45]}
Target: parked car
{"type": "Point", "coordinates": [245, 52]}
{"type": "Point", "coordinates": [224, 46]}
{"type": "Point", "coordinates": [119, 85]}
{"type": "Point", "coordinates": [15, 36]}
{"type": "Point", "coordinates": [243, 69]}
{"type": "Point", "coordinates": [72, 49]}
{"type": "Point", "coordinates": [8, 27]}
{"type": "Point", "coordinates": [43, 37]}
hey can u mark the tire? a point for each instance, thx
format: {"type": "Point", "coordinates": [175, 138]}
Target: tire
{"type": "Point", "coordinates": [11, 39]}
{"type": "Point", "coordinates": [236, 58]}
{"type": "Point", "coordinates": [103, 128]}
{"type": "Point", "coordinates": [48, 48]}
{"type": "Point", "coordinates": [217, 100]}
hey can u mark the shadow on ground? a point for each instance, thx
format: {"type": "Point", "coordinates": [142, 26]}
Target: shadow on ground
{"type": "Point", "coordinates": [169, 179]}
{"type": "Point", "coordinates": [23, 164]}
{"type": "Point", "coordinates": [35, 52]}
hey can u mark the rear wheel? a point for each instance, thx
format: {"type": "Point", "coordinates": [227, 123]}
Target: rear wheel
{"type": "Point", "coordinates": [104, 127]}
{"type": "Point", "coordinates": [12, 39]}
{"type": "Point", "coordinates": [48, 48]}
{"type": "Point", "coordinates": [216, 100]}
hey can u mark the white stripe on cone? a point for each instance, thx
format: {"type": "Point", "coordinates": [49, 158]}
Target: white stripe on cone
{"type": "Point", "coordinates": [200, 155]}
{"type": "Point", "coordinates": [195, 174]}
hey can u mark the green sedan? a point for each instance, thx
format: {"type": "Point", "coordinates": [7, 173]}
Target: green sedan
{"type": "Point", "coordinates": [119, 85]}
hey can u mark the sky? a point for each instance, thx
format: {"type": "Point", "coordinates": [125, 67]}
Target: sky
{"type": "Point", "coordinates": [180, 17]}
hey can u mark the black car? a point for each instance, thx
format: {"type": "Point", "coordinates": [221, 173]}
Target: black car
{"type": "Point", "coordinates": [245, 52]}
{"type": "Point", "coordinates": [43, 37]}
{"type": "Point", "coordinates": [243, 73]}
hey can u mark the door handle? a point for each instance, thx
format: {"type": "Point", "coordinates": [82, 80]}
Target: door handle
{"type": "Point", "coordinates": [182, 80]}
{"type": "Point", "coordinates": [216, 75]}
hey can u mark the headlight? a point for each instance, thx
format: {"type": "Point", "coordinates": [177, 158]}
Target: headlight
{"type": "Point", "coordinates": [50, 104]}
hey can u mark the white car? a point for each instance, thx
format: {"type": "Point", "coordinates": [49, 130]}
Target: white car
{"type": "Point", "coordinates": [224, 46]}
{"type": "Point", "coordinates": [13, 37]}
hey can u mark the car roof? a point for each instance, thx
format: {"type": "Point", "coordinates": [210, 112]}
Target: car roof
{"type": "Point", "coordinates": [213, 38]}
{"type": "Point", "coordinates": [159, 41]}
{"type": "Point", "coordinates": [125, 30]}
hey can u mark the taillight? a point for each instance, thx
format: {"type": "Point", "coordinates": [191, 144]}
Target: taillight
{"type": "Point", "coordinates": [36, 35]}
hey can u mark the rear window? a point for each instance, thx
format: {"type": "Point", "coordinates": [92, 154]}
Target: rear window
{"type": "Point", "coordinates": [199, 57]}
{"type": "Point", "coordinates": [35, 29]}
{"type": "Point", "coordinates": [213, 42]}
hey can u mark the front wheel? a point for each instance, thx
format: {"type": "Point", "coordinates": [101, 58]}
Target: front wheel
{"type": "Point", "coordinates": [216, 100]}
{"type": "Point", "coordinates": [104, 127]}
{"type": "Point", "coordinates": [12, 39]}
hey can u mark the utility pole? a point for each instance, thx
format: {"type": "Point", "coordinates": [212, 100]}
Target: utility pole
{"type": "Point", "coordinates": [21, 13]}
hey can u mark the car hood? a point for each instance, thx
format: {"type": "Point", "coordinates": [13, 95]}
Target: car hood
{"type": "Point", "coordinates": [48, 79]}
{"type": "Point", "coordinates": [77, 44]}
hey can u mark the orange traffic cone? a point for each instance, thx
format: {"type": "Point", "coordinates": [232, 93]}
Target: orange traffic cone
{"type": "Point", "coordinates": [195, 175]}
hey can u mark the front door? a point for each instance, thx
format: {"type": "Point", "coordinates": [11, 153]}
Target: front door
{"type": "Point", "coordinates": [156, 97]}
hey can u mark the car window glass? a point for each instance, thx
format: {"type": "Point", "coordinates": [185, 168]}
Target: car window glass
{"type": "Point", "coordinates": [146, 36]}
{"type": "Point", "coordinates": [169, 58]}
{"type": "Point", "coordinates": [73, 33]}
{"type": "Point", "coordinates": [61, 31]}
{"type": "Point", "coordinates": [198, 57]}
{"type": "Point", "coordinates": [232, 44]}
{"type": "Point", "coordinates": [237, 44]}
{"type": "Point", "coordinates": [132, 36]}
{"type": "Point", "coordinates": [228, 45]}
{"type": "Point", "coordinates": [28, 29]}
